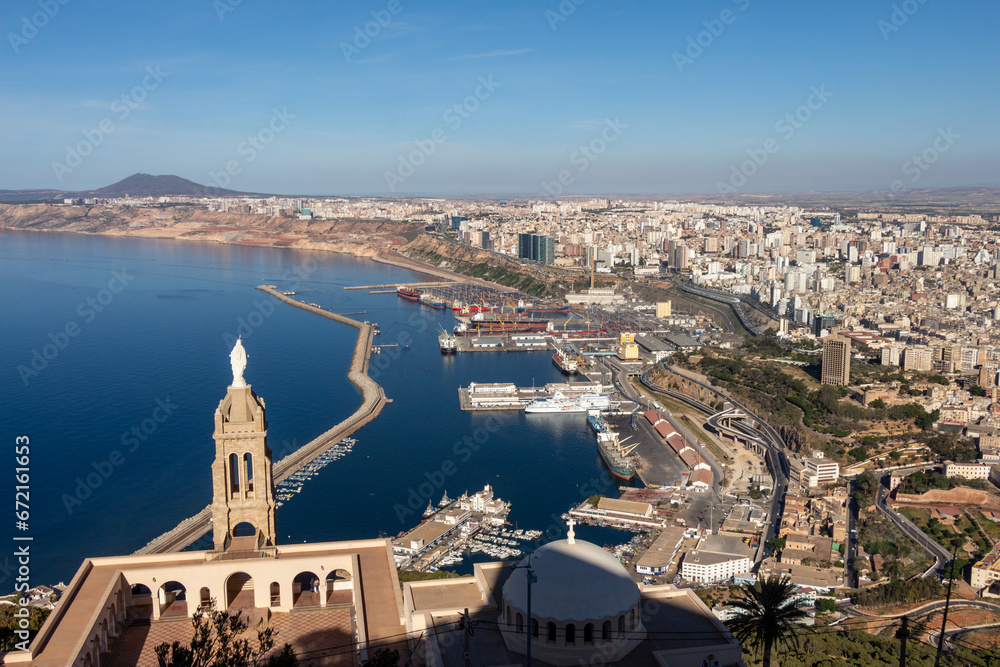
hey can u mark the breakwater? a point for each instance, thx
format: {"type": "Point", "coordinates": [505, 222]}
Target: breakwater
{"type": "Point", "coordinates": [373, 400]}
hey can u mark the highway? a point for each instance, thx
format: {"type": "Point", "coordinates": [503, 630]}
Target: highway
{"type": "Point", "coordinates": [928, 544]}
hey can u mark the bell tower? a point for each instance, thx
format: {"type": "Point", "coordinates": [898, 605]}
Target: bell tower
{"type": "Point", "coordinates": [242, 476]}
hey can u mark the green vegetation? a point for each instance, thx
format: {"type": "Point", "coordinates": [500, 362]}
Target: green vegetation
{"type": "Point", "coordinates": [776, 543]}
{"type": "Point", "coordinates": [921, 482]}
{"type": "Point", "coordinates": [976, 390]}
{"type": "Point", "coordinates": [880, 536]}
{"type": "Point", "coordinates": [767, 615]}
{"type": "Point", "coordinates": [900, 591]}
{"type": "Point", "coordinates": [224, 639]}
{"type": "Point", "coordinates": [383, 658]}
{"type": "Point", "coordinates": [8, 623]}
{"type": "Point", "coordinates": [593, 500]}
{"type": "Point", "coordinates": [410, 575]}
{"type": "Point", "coordinates": [947, 536]}
{"type": "Point", "coordinates": [826, 605]}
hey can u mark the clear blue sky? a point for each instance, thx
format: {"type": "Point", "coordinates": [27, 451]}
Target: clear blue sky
{"type": "Point", "coordinates": [561, 75]}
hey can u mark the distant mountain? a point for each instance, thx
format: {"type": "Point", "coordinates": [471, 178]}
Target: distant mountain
{"type": "Point", "coordinates": [147, 185]}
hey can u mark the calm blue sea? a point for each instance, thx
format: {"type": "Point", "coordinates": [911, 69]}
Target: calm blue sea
{"type": "Point", "coordinates": [114, 356]}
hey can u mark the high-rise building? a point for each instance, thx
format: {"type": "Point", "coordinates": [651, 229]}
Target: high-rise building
{"type": "Point", "coordinates": [536, 248]}
{"type": "Point", "coordinates": [836, 360]}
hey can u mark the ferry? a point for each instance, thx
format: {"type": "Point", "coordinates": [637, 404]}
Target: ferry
{"type": "Point", "coordinates": [560, 403]}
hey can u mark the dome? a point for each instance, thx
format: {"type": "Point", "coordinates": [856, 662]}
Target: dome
{"type": "Point", "coordinates": [577, 580]}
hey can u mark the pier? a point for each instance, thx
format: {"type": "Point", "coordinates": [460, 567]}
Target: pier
{"type": "Point", "coordinates": [373, 400]}
{"type": "Point", "coordinates": [506, 396]}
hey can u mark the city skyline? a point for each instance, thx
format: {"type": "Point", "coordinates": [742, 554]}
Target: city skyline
{"type": "Point", "coordinates": [558, 99]}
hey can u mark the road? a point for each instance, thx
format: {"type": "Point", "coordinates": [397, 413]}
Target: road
{"type": "Point", "coordinates": [850, 576]}
{"type": "Point", "coordinates": [939, 553]}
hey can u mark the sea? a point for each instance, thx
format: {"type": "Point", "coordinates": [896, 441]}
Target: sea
{"type": "Point", "coordinates": [115, 354]}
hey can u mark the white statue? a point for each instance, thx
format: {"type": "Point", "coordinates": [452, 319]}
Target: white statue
{"type": "Point", "coordinates": [238, 359]}
{"type": "Point", "coordinates": [571, 535]}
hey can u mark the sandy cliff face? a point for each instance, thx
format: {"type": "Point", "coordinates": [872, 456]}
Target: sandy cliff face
{"type": "Point", "coordinates": [359, 237]}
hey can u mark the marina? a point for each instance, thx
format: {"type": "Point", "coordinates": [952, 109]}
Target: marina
{"type": "Point", "coordinates": [293, 484]}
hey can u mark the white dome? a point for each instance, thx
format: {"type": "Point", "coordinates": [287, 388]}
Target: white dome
{"type": "Point", "coordinates": [576, 581]}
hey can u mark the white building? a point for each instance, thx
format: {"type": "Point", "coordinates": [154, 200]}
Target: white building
{"type": "Point", "coordinates": [708, 566]}
{"type": "Point", "coordinates": [966, 470]}
{"type": "Point", "coordinates": [823, 469]}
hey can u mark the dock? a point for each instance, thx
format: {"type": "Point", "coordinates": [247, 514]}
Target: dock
{"type": "Point", "coordinates": [373, 400]}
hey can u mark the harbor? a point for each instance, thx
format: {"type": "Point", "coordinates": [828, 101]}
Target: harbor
{"type": "Point", "coordinates": [507, 396]}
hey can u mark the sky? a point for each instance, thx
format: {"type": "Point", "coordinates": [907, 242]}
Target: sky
{"type": "Point", "coordinates": [538, 98]}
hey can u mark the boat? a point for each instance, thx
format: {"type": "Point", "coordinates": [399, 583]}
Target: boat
{"type": "Point", "coordinates": [447, 342]}
{"type": "Point", "coordinates": [616, 455]}
{"type": "Point", "coordinates": [430, 509]}
{"type": "Point", "coordinates": [561, 403]}
{"type": "Point", "coordinates": [445, 500]}
{"type": "Point", "coordinates": [429, 299]}
{"type": "Point", "coordinates": [566, 361]}
{"type": "Point", "coordinates": [597, 423]}
{"type": "Point", "coordinates": [408, 293]}
{"type": "Point", "coordinates": [547, 310]}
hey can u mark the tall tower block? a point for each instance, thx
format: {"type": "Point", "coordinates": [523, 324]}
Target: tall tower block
{"type": "Point", "coordinates": [242, 475]}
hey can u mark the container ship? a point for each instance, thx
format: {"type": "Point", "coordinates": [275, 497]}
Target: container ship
{"type": "Point", "coordinates": [616, 455]}
{"type": "Point", "coordinates": [433, 301]}
{"type": "Point", "coordinates": [566, 361]}
{"type": "Point", "coordinates": [494, 327]}
{"type": "Point", "coordinates": [560, 403]}
{"type": "Point", "coordinates": [408, 293]}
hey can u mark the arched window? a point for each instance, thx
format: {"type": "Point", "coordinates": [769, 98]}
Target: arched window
{"type": "Point", "coordinates": [588, 633]}
{"type": "Point", "coordinates": [248, 463]}
{"type": "Point", "coordinates": [275, 594]}
{"type": "Point", "coordinates": [534, 628]}
{"type": "Point", "coordinates": [520, 623]}
{"type": "Point", "coordinates": [234, 473]}
{"type": "Point", "coordinates": [551, 627]}
{"type": "Point", "coordinates": [621, 625]}
{"type": "Point", "coordinates": [509, 618]}
{"type": "Point", "coordinates": [570, 633]}
{"type": "Point", "coordinates": [631, 620]}
{"type": "Point", "coordinates": [606, 631]}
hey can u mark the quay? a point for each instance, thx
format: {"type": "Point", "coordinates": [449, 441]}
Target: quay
{"type": "Point", "coordinates": [507, 396]}
{"type": "Point", "coordinates": [393, 286]}
{"type": "Point", "coordinates": [373, 400]}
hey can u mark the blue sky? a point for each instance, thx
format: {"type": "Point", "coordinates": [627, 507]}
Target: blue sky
{"type": "Point", "coordinates": [382, 119]}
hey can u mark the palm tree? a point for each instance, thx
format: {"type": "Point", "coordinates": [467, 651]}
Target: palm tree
{"type": "Point", "coordinates": [766, 613]}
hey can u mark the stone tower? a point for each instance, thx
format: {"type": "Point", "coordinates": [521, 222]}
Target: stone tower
{"type": "Point", "coordinates": [242, 476]}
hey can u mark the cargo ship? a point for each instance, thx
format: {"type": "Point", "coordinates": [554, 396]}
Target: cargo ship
{"type": "Point", "coordinates": [616, 455]}
{"type": "Point", "coordinates": [429, 299]}
{"type": "Point", "coordinates": [447, 342]}
{"type": "Point", "coordinates": [541, 308]}
{"type": "Point", "coordinates": [500, 327]}
{"type": "Point", "coordinates": [597, 422]}
{"type": "Point", "coordinates": [408, 293]}
{"type": "Point", "coordinates": [566, 361]}
{"type": "Point", "coordinates": [560, 403]}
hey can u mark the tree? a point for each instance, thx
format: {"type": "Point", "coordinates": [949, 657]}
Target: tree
{"type": "Point", "coordinates": [766, 614]}
{"type": "Point", "coordinates": [826, 605]}
{"type": "Point", "coordinates": [218, 641]}
{"type": "Point", "coordinates": [383, 658]}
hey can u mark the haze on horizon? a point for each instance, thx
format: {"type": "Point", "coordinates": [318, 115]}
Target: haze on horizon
{"type": "Point", "coordinates": [497, 98]}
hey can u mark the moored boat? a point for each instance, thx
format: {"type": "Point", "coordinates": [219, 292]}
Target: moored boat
{"type": "Point", "coordinates": [408, 293]}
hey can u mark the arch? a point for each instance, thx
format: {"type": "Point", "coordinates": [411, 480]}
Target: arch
{"type": "Point", "coordinates": [113, 615]}
{"type": "Point", "coordinates": [275, 594]}
{"type": "Point", "coordinates": [140, 589]}
{"type": "Point", "coordinates": [239, 591]}
{"type": "Point", "coordinates": [140, 602]}
{"type": "Point", "coordinates": [234, 473]}
{"type": "Point", "coordinates": [248, 471]}
{"type": "Point", "coordinates": [520, 623]}
{"type": "Point", "coordinates": [534, 628]}
{"type": "Point", "coordinates": [621, 625]}
{"type": "Point", "coordinates": [551, 629]}
{"type": "Point", "coordinates": [606, 631]}
{"type": "Point", "coordinates": [631, 619]}
{"type": "Point", "coordinates": [588, 633]}
{"type": "Point", "coordinates": [87, 661]}
{"type": "Point", "coordinates": [244, 529]}
{"type": "Point", "coordinates": [96, 641]}
{"type": "Point", "coordinates": [570, 633]}
{"type": "Point", "coordinates": [305, 589]}
{"type": "Point", "coordinates": [507, 619]}
{"type": "Point", "coordinates": [104, 635]}
{"type": "Point", "coordinates": [205, 599]}
{"type": "Point", "coordinates": [339, 586]}
{"type": "Point", "coordinates": [172, 598]}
